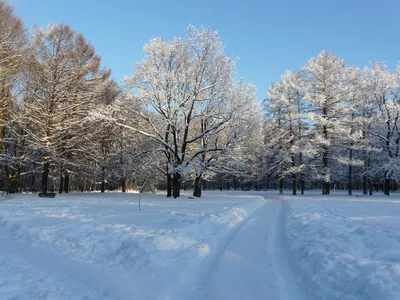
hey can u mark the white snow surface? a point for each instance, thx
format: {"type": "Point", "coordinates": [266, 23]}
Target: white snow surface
{"type": "Point", "coordinates": [347, 248]}
{"type": "Point", "coordinates": [226, 245]}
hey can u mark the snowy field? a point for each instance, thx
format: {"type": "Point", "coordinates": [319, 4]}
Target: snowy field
{"type": "Point", "coordinates": [347, 247]}
{"type": "Point", "coordinates": [227, 245]}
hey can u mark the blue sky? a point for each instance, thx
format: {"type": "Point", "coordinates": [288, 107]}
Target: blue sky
{"type": "Point", "coordinates": [269, 37]}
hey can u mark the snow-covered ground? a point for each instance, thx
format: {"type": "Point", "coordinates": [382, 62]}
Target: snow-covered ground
{"type": "Point", "coordinates": [227, 245]}
{"type": "Point", "coordinates": [347, 247]}
{"type": "Point", "coordinates": [94, 246]}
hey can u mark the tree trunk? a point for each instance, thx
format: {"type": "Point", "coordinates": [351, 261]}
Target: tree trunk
{"type": "Point", "coordinates": [7, 179]}
{"type": "Point", "coordinates": [371, 187]}
{"type": "Point", "coordinates": [387, 186]}
{"type": "Point", "coordinates": [325, 188]}
{"type": "Point", "coordinates": [61, 186]}
{"type": "Point", "coordinates": [302, 183]}
{"type": "Point", "coordinates": [350, 174]}
{"type": "Point", "coordinates": [169, 185]}
{"type": "Point", "coordinates": [294, 183]}
{"type": "Point", "coordinates": [197, 186]}
{"type": "Point", "coordinates": [177, 185]}
{"type": "Point", "coordinates": [81, 185]}
{"type": "Point", "coordinates": [365, 185]}
{"type": "Point", "coordinates": [123, 184]}
{"type": "Point", "coordinates": [18, 183]}
{"type": "Point", "coordinates": [103, 180]}
{"type": "Point", "coordinates": [66, 182]}
{"type": "Point", "coordinates": [33, 180]}
{"type": "Point", "coordinates": [326, 173]}
{"type": "Point", "coordinates": [326, 181]}
{"type": "Point", "coordinates": [45, 175]}
{"type": "Point", "coordinates": [281, 186]}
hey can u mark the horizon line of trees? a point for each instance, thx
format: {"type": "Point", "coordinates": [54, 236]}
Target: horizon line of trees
{"type": "Point", "coordinates": [336, 124]}
{"type": "Point", "coordinates": [182, 119]}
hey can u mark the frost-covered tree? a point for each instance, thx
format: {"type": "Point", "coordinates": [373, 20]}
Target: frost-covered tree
{"type": "Point", "coordinates": [185, 89]}
{"type": "Point", "coordinates": [64, 81]}
{"type": "Point", "coordinates": [13, 45]}
{"type": "Point", "coordinates": [385, 90]}
{"type": "Point", "coordinates": [244, 125]}
{"type": "Point", "coordinates": [349, 136]}
{"type": "Point", "coordinates": [284, 129]}
{"type": "Point", "coordinates": [327, 87]}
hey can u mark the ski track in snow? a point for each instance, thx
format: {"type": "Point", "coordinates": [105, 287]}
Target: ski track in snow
{"type": "Point", "coordinates": [235, 274]}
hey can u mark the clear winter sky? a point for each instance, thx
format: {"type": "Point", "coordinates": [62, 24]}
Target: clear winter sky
{"type": "Point", "coordinates": [269, 37]}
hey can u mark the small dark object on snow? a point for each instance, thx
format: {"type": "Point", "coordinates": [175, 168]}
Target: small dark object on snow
{"type": "Point", "coordinates": [192, 198]}
{"type": "Point", "coordinates": [47, 195]}
{"type": "Point", "coordinates": [358, 196]}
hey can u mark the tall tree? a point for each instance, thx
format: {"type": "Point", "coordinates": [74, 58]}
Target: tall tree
{"type": "Point", "coordinates": [65, 77]}
{"type": "Point", "coordinates": [385, 90]}
{"type": "Point", "coordinates": [183, 83]}
{"type": "Point", "coordinates": [13, 42]}
{"type": "Point", "coordinates": [327, 87]}
{"type": "Point", "coordinates": [284, 129]}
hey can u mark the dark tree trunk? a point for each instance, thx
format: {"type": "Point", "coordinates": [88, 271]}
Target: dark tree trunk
{"type": "Point", "coordinates": [281, 186]}
{"type": "Point", "coordinates": [11, 184]}
{"type": "Point", "coordinates": [325, 188]}
{"type": "Point", "coordinates": [33, 180]}
{"type": "Point", "coordinates": [294, 183]}
{"type": "Point", "coordinates": [7, 179]}
{"type": "Point", "coordinates": [387, 187]}
{"type": "Point", "coordinates": [123, 184]}
{"type": "Point", "coordinates": [350, 187]}
{"type": "Point", "coordinates": [66, 182]}
{"type": "Point", "coordinates": [61, 186]}
{"type": "Point", "coordinates": [325, 163]}
{"type": "Point", "coordinates": [177, 185]}
{"type": "Point", "coordinates": [84, 184]}
{"type": "Point", "coordinates": [302, 183]}
{"type": "Point", "coordinates": [169, 185]}
{"type": "Point", "coordinates": [45, 175]}
{"type": "Point", "coordinates": [18, 183]}
{"type": "Point", "coordinates": [365, 185]}
{"type": "Point", "coordinates": [371, 187]}
{"type": "Point", "coordinates": [81, 185]}
{"type": "Point", "coordinates": [197, 186]}
{"type": "Point", "coordinates": [350, 175]}
{"type": "Point", "coordinates": [103, 180]}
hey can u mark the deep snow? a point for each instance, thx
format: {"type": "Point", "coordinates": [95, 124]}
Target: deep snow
{"type": "Point", "coordinates": [229, 245]}
{"type": "Point", "coordinates": [347, 247]}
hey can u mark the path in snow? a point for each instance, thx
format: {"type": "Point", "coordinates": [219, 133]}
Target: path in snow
{"type": "Point", "coordinates": [254, 265]}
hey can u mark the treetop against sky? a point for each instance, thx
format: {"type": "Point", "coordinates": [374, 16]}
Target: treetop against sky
{"type": "Point", "coordinates": [268, 37]}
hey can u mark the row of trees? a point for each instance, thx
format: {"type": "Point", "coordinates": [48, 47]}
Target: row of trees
{"type": "Point", "coordinates": [334, 123]}
{"type": "Point", "coordinates": [182, 117]}
{"type": "Point", "coordinates": [49, 82]}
